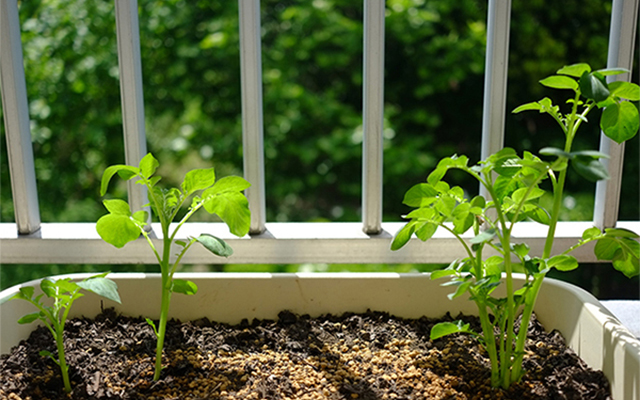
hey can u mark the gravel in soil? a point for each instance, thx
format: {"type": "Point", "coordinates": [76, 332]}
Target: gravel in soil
{"type": "Point", "coordinates": [354, 356]}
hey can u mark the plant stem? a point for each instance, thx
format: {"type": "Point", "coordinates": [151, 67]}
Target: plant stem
{"type": "Point", "coordinates": [166, 299]}
{"type": "Point", "coordinates": [64, 370]}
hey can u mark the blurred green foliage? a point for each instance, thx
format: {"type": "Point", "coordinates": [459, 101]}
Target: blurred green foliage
{"type": "Point", "coordinates": [312, 76]}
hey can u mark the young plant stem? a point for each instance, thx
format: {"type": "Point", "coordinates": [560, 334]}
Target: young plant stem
{"type": "Point", "coordinates": [64, 369]}
{"type": "Point", "coordinates": [490, 342]}
{"type": "Point", "coordinates": [166, 299]}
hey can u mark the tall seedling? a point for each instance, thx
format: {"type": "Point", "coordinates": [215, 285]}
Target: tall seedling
{"type": "Point", "coordinates": [120, 226]}
{"type": "Point", "coordinates": [513, 184]}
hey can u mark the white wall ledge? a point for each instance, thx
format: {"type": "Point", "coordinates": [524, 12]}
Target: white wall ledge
{"type": "Point", "coordinates": [281, 243]}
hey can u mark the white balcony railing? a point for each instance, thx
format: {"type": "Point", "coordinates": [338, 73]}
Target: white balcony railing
{"type": "Point", "coordinates": [30, 241]}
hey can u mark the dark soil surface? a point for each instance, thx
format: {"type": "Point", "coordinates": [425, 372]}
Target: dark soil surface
{"type": "Point", "coordinates": [354, 356]}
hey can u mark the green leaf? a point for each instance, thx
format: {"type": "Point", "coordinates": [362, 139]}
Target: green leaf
{"type": "Point", "coordinates": [620, 122]}
{"type": "Point", "coordinates": [141, 216]}
{"type": "Point", "coordinates": [593, 87]}
{"type": "Point", "coordinates": [153, 326]}
{"type": "Point", "coordinates": [447, 328]}
{"type": "Point", "coordinates": [625, 90]}
{"type": "Point", "coordinates": [232, 208]}
{"type": "Point", "coordinates": [590, 169]}
{"type": "Point", "coordinates": [102, 287]}
{"type": "Point", "coordinates": [606, 248]}
{"type": "Point", "coordinates": [215, 245]}
{"type": "Point", "coordinates": [539, 215]}
{"type": "Point", "coordinates": [198, 179]}
{"type": "Point", "coordinates": [117, 207]}
{"type": "Point", "coordinates": [415, 196]}
{"type": "Point", "coordinates": [230, 184]}
{"type": "Point", "coordinates": [508, 166]}
{"type": "Point", "coordinates": [426, 231]}
{"type": "Point", "coordinates": [441, 273]}
{"type": "Point", "coordinates": [619, 232]}
{"type": "Point", "coordinates": [117, 230]}
{"type": "Point", "coordinates": [588, 153]}
{"type": "Point", "coordinates": [519, 194]}
{"type": "Point", "coordinates": [484, 236]}
{"type": "Point", "coordinates": [184, 287]}
{"type": "Point", "coordinates": [627, 259]}
{"type": "Point", "coordinates": [563, 262]}
{"type": "Point", "coordinates": [29, 318]}
{"type": "Point", "coordinates": [521, 249]}
{"type": "Point", "coordinates": [48, 287]}
{"type": "Point", "coordinates": [403, 235]}
{"type": "Point", "coordinates": [552, 151]}
{"type": "Point", "coordinates": [560, 82]}
{"type": "Point", "coordinates": [26, 292]}
{"type": "Point", "coordinates": [612, 71]}
{"type": "Point", "coordinates": [148, 165]}
{"type": "Point", "coordinates": [529, 106]}
{"type": "Point", "coordinates": [591, 233]}
{"type": "Point", "coordinates": [124, 171]}
{"type": "Point", "coordinates": [575, 70]}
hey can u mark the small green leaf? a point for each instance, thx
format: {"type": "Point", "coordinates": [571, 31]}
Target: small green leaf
{"type": "Point", "coordinates": [402, 237]}
{"type": "Point", "coordinates": [508, 166]}
{"type": "Point", "coordinates": [594, 87]}
{"type": "Point", "coordinates": [117, 230]}
{"type": "Point", "coordinates": [415, 196]}
{"type": "Point", "coordinates": [539, 215]}
{"type": "Point", "coordinates": [102, 287]}
{"type": "Point", "coordinates": [620, 122]}
{"type": "Point", "coordinates": [426, 231]}
{"type": "Point", "coordinates": [447, 328]}
{"type": "Point", "coordinates": [559, 82]}
{"type": "Point", "coordinates": [521, 249]}
{"type": "Point", "coordinates": [612, 71]}
{"type": "Point", "coordinates": [117, 207]}
{"type": "Point", "coordinates": [575, 70]}
{"type": "Point", "coordinates": [232, 208]}
{"type": "Point", "coordinates": [529, 106]}
{"type": "Point", "coordinates": [29, 318]}
{"type": "Point", "coordinates": [625, 90]}
{"type": "Point", "coordinates": [184, 287]}
{"type": "Point", "coordinates": [141, 216]}
{"type": "Point", "coordinates": [441, 273]}
{"type": "Point", "coordinates": [230, 184]}
{"type": "Point", "coordinates": [534, 193]}
{"type": "Point", "coordinates": [48, 287]}
{"type": "Point", "coordinates": [563, 262]}
{"type": "Point", "coordinates": [148, 165]}
{"type": "Point", "coordinates": [27, 292]}
{"type": "Point", "coordinates": [124, 171]}
{"type": "Point", "coordinates": [552, 151]}
{"type": "Point", "coordinates": [215, 245]}
{"type": "Point", "coordinates": [620, 232]}
{"type": "Point", "coordinates": [153, 326]}
{"type": "Point", "coordinates": [484, 236]}
{"type": "Point", "coordinates": [591, 233]}
{"type": "Point", "coordinates": [198, 179]}
{"type": "Point", "coordinates": [606, 248]}
{"type": "Point", "coordinates": [590, 169]}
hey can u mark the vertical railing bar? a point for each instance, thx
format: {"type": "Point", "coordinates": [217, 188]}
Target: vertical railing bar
{"type": "Point", "coordinates": [373, 115]}
{"type": "Point", "coordinates": [130, 65]}
{"type": "Point", "coordinates": [624, 21]}
{"type": "Point", "coordinates": [252, 113]}
{"type": "Point", "coordinates": [495, 78]}
{"type": "Point", "coordinates": [16, 120]}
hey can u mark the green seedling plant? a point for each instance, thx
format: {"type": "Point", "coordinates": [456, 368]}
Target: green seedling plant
{"type": "Point", "coordinates": [63, 292]}
{"type": "Point", "coordinates": [513, 185]}
{"type": "Point", "coordinates": [120, 226]}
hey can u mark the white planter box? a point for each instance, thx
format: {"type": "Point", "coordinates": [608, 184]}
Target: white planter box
{"type": "Point", "coordinates": [593, 332]}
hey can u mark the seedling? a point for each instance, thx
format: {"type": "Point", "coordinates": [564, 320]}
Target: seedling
{"type": "Point", "coordinates": [223, 197]}
{"type": "Point", "coordinates": [63, 292]}
{"type": "Point", "coordinates": [513, 186]}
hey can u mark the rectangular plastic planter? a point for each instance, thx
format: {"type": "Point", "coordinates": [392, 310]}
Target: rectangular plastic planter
{"type": "Point", "coordinates": [593, 332]}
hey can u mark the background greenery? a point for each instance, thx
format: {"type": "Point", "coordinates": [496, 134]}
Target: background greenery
{"type": "Point", "coordinates": [312, 75]}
